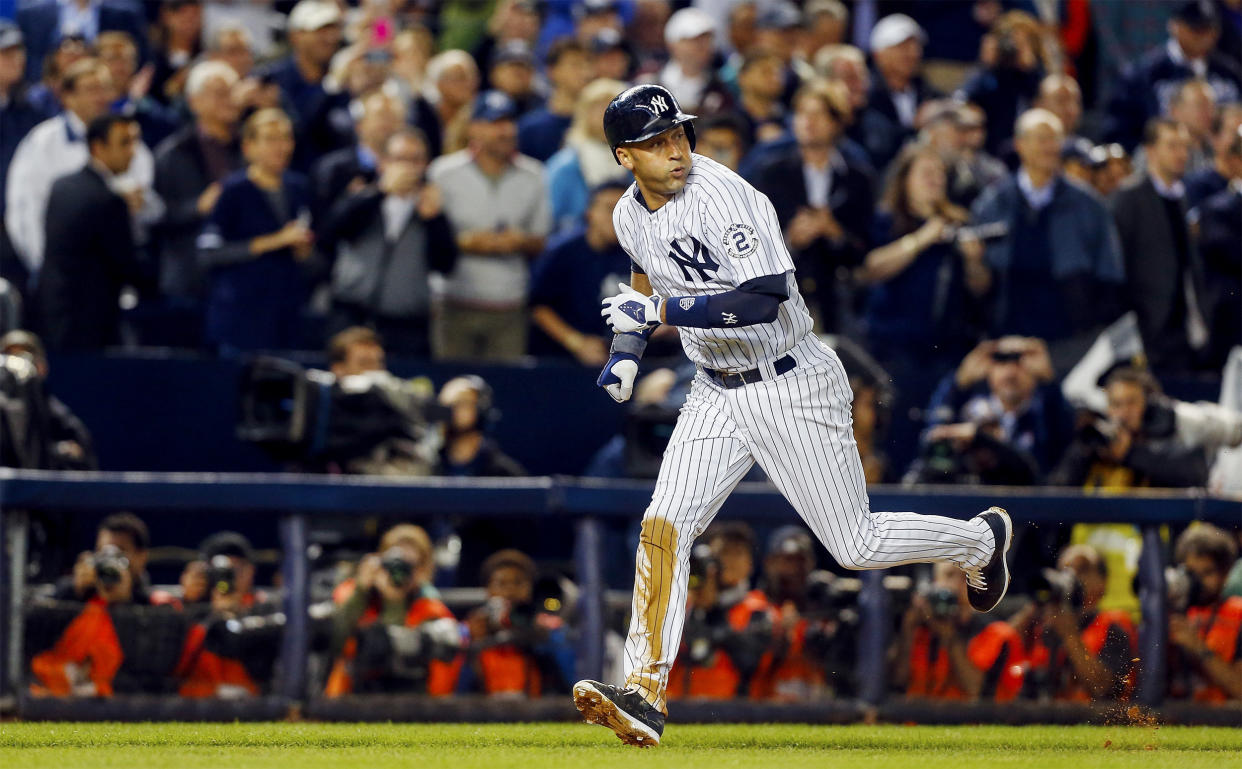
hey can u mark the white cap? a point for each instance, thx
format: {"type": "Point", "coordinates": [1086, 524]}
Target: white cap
{"type": "Point", "coordinates": [310, 15]}
{"type": "Point", "coordinates": [687, 24]}
{"type": "Point", "coordinates": [895, 30]}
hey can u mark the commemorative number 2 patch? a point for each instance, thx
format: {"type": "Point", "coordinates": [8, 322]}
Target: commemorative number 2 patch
{"type": "Point", "coordinates": [739, 240]}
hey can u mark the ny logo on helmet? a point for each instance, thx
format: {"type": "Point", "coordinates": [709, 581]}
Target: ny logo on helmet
{"type": "Point", "coordinates": [659, 104]}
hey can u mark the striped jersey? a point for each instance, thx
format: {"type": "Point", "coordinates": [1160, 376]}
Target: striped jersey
{"type": "Point", "coordinates": [717, 233]}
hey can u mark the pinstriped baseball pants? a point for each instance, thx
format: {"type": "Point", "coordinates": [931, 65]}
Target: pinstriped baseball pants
{"type": "Point", "coordinates": [799, 429]}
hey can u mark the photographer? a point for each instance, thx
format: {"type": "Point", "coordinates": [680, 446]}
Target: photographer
{"type": "Point", "coordinates": [519, 642]}
{"type": "Point", "coordinates": [1136, 445]}
{"type": "Point", "coordinates": [391, 632]}
{"type": "Point", "coordinates": [233, 644]}
{"type": "Point", "coordinates": [468, 449]}
{"type": "Point", "coordinates": [726, 642]}
{"type": "Point", "coordinates": [1205, 628]}
{"type": "Point", "coordinates": [793, 673]}
{"type": "Point", "coordinates": [947, 651]}
{"type": "Point", "coordinates": [1076, 651]}
{"type": "Point", "coordinates": [55, 439]}
{"type": "Point", "coordinates": [116, 570]}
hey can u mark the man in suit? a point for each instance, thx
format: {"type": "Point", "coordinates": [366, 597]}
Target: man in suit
{"type": "Point", "coordinates": [90, 253]}
{"type": "Point", "coordinates": [45, 22]}
{"type": "Point", "coordinates": [897, 89]}
{"type": "Point", "coordinates": [1220, 232]}
{"type": "Point", "coordinates": [352, 168]}
{"type": "Point", "coordinates": [1163, 272]}
{"type": "Point", "coordinates": [823, 201]}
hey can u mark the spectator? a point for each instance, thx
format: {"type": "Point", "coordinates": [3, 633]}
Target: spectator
{"type": "Point", "coordinates": [1149, 84]}
{"type": "Point", "coordinates": [541, 131]}
{"type": "Point", "coordinates": [946, 651]}
{"type": "Point", "coordinates": [723, 139]}
{"type": "Point", "coordinates": [352, 168]}
{"type": "Point", "coordinates": [1194, 106]}
{"type": "Point", "coordinates": [356, 351]}
{"type": "Point", "coordinates": [1220, 231]}
{"type": "Point", "coordinates": [519, 642]}
{"type": "Point", "coordinates": [255, 242]}
{"type": "Point", "coordinates": [792, 674]}
{"type": "Point", "coordinates": [690, 36]}
{"type": "Point", "coordinates": [1112, 167]}
{"type": "Point", "coordinates": [921, 311]}
{"type": "Point", "coordinates": [391, 632]}
{"type": "Point", "coordinates": [222, 657]}
{"type": "Point", "coordinates": [45, 22]}
{"type": "Point", "coordinates": [444, 107]}
{"type": "Point", "coordinates": [761, 84]}
{"type": "Point", "coordinates": [847, 65]}
{"type": "Point", "coordinates": [88, 264]}
{"type": "Point", "coordinates": [190, 168]}
{"type": "Point", "coordinates": [44, 94]}
{"type": "Point", "coordinates": [996, 420]}
{"type": "Point", "coordinates": [233, 45]}
{"type": "Point", "coordinates": [1076, 651]}
{"type": "Point", "coordinates": [827, 24]}
{"type": "Point", "coordinates": [1205, 627]}
{"type": "Point", "coordinates": [1137, 444]}
{"type": "Point", "coordinates": [572, 277]}
{"type": "Point", "coordinates": [412, 49]}
{"type": "Point", "coordinates": [18, 115]}
{"type": "Point", "coordinates": [1057, 270]}
{"type": "Point", "coordinates": [496, 201]}
{"type": "Point", "coordinates": [513, 74]}
{"type": "Point", "coordinates": [320, 119]}
{"type": "Point", "coordinates": [1059, 94]}
{"type": "Point", "coordinates": [1214, 176]}
{"type": "Point", "coordinates": [1164, 275]}
{"type": "Point", "coordinates": [594, 16]}
{"type": "Point", "coordinates": [66, 443]}
{"type": "Point", "coordinates": [725, 647]}
{"type": "Point", "coordinates": [468, 450]}
{"type": "Point", "coordinates": [57, 147]}
{"type": "Point", "coordinates": [178, 39]}
{"type": "Point", "coordinates": [1010, 76]}
{"type": "Point", "coordinates": [1076, 161]}
{"type": "Point", "coordinates": [870, 427]}
{"type": "Point", "coordinates": [389, 237]}
{"type": "Point", "coordinates": [117, 569]}
{"type": "Point", "coordinates": [513, 21]}
{"type": "Point", "coordinates": [897, 88]}
{"type": "Point", "coordinates": [947, 128]}
{"type": "Point", "coordinates": [586, 161]}
{"type": "Point", "coordinates": [778, 29]}
{"type": "Point", "coordinates": [131, 87]}
{"type": "Point", "coordinates": [823, 202]}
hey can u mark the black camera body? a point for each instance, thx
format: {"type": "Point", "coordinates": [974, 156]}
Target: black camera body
{"type": "Point", "coordinates": [400, 570]}
{"type": "Point", "coordinates": [943, 602]}
{"type": "Point", "coordinates": [110, 565]}
{"type": "Point", "coordinates": [221, 576]}
{"type": "Point", "coordinates": [1058, 586]}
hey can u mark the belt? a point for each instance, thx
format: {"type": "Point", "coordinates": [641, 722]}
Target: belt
{"type": "Point", "coordinates": [731, 379]}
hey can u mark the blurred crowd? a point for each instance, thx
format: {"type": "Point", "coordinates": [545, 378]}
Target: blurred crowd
{"type": "Point", "coordinates": [760, 625]}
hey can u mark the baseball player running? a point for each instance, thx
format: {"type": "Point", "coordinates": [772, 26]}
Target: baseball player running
{"type": "Point", "coordinates": [708, 257]}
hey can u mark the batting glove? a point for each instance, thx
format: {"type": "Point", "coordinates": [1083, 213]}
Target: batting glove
{"type": "Point", "coordinates": [630, 311]}
{"type": "Point", "coordinates": [617, 378]}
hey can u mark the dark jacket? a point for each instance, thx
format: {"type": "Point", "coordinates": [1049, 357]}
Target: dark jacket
{"type": "Point", "coordinates": [89, 257]}
{"type": "Point", "coordinates": [1220, 232]}
{"type": "Point", "coordinates": [1155, 278]}
{"type": "Point", "coordinates": [333, 173]}
{"type": "Point", "coordinates": [1156, 457]}
{"type": "Point", "coordinates": [1004, 94]}
{"type": "Point", "coordinates": [321, 121]}
{"type": "Point", "coordinates": [181, 176]}
{"type": "Point", "coordinates": [17, 117]}
{"type": "Point", "coordinates": [388, 279]}
{"type": "Point", "coordinates": [878, 127]}
{"type": "Point", "coordinates": [852, 203]}
{"type": "Point", "coordinates": [40, 23]}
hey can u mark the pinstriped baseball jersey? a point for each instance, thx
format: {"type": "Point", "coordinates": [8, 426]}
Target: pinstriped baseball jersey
{"type": "Point", "coordinates": [713, 236]}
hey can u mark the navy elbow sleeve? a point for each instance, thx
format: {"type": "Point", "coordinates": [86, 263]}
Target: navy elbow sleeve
{"type": "Point", "coordinates": [732, 308]}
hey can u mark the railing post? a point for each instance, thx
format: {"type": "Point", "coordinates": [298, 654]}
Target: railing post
{"type": "Point", "coordinates": [295, 572]}
{"type": "Point", "coordinates": [1154, 626]}
{"type": "Point", "coordinates": [15, 530]}
{"type": "Point", "coordinates": [873, 633]}
{"type": "Point", "coordinates": [587, 554]}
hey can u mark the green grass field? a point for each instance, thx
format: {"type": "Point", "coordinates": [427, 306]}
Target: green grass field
{"type": "Point", "coordinates": [551, 746]}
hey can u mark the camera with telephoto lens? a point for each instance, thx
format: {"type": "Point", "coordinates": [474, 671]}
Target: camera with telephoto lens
{"type": "Point", "coordinates": [396, 658]}
{"type": "Point", "coordinates": [110, 565]}
{"type": "Point", "coordinates": [1184, 589]}
{"type": "Point", "coordinates": [831, 611]}
{"type": "Point", "coordinates": [397, 565]}
{"type": "Point", "coordinates": [1057, 586]}
{"type": "Point", "coordinates": [942, 602]}
{"type": "Point", "coordinates": [221, 576]}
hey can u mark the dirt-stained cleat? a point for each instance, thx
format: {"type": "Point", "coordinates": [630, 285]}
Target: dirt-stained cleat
{"type": "Point", "coordinates": [624, 711]}
{"type": "Point", "coordinates": [987, 584]}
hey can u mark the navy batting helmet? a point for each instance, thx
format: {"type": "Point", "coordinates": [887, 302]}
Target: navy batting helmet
{"type": "Point", "coordinates": [642, 112]}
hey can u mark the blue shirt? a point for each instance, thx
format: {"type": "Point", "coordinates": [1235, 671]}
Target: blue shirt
{"type": "Point", "coordinates": [541, 132]}
{"type": "Point", "coordinates": [573, 279]}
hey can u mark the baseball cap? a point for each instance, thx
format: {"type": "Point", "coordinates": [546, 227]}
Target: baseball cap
{"type": "Point", "coordinates": [780, 15]}
{"type": "Point", "coordinates": [10, 35]}
{"type": "Point", "coordinates": [310, 15]}
{"type": "Point", "coordinates": [687, 24]}
{"type": "Point", "coordinates": [607, 39]}
{"type": "Point", "coordinates": [790, 540]}
{"type": "Point", "coordinates": [1200, 14]}
{"type": "Point", "coordinates": [590, 7]}
{"type": "Point", "coordinates": [226, 543]}
{"type": "Point", "coordinates": [1077, 148]}
{"type": "Point", "coordinates": [491, 106]}
{"type": "Point", "coordinates": [895, 30]}
{"type": "Point", "coordinates": [514, 51]}
{"type": "Point", "coordinates": [834, 8]}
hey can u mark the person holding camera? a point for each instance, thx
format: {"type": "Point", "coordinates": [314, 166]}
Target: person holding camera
{"type": "Point", "coordinates": [788, 564]}
{"type": "Point", "coordinates": [55, 438]}
{"type": "Point", "coordinates": [116, 571]}
{"type": "Point", "coordinates": [391, 632]}
{"type": "Point", "coordinates": [1076, 651]}
{"type": "Point", "coordinates": [728, 637]}
{"type": "Point", "coordinates": [232, 645]}
{"type": "Point", "coordinates": [519, 642]}
{"type": "Point", "coordinates": [947, 651]}
{"type": "Point", "coordinates": [1205, 627]}
{"type": "Point", "coordinates": [468, 449]}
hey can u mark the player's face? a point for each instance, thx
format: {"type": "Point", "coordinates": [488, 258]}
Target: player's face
{"type": "Point", "coordinates": [661, 164]}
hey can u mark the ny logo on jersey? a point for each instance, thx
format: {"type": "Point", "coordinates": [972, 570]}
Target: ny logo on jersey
{"type": "Point", "coordinates": [659, 104]}
{"type": "Point", "coordinates": [698, 260]}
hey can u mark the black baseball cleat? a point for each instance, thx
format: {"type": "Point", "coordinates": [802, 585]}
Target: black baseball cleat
{"type": "Point", "coordinates": [624, 711]}
{"type": "Point", "coordinates": [986, 585]}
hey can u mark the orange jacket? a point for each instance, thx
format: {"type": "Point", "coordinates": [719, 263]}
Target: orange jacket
{"type": "Point", "coordinates": [1093, 638]}
{"type": "Point", "coordinates": [997, 644]}
{"type": "Point", "coordinates": [719, 678]}
{"type": "Point", "coordinates": [1219, 626]}
{"type": "Point", "coordinates": [89, 640]}
{"type": "Point", "coordinates": [203, 672]}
